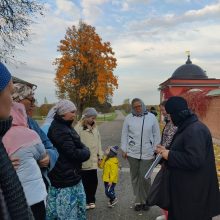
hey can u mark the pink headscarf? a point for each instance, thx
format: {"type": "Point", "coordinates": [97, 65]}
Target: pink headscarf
{"type": "Point", "coordinates": [19, 135]}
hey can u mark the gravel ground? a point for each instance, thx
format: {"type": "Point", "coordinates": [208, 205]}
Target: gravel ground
{"type": "Point", "coordinates": [124, 210]}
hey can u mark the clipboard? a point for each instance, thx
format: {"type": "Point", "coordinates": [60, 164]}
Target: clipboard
{"type": "Point", "coordinates": [154, 164]}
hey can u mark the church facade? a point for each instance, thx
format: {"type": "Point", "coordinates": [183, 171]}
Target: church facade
{"type": "Point", "coordinates": [190, 78]}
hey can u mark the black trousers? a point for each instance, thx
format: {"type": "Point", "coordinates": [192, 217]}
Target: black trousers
{"type": "Point", "coordinates": [39, 211]}
{"type": "Point", "coordinates": [90, 183]}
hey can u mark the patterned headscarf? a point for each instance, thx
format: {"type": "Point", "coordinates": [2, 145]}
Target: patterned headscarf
{"type": "Point", "coordinates": [61, 108]}
{"type": "Point", "coordinates": [21, 91]}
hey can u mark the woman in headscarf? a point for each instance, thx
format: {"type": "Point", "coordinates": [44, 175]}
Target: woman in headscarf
{"type": "Point", "coordinates": [24, 94]}
{"type": "Point", "coordinates": [66, 196]}
{"type": "Point", "coordinates": [140, 136]}
{"type": "Point", "coordinates": [89, 134]}
{"type": "Point", "coordinates": [194, 190]}
{"type": "Point", "coordinates": [13, 204]}
{"type": "Point", "coordinates": [46, 125]}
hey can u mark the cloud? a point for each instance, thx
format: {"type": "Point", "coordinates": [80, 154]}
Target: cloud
{"type": "Point", "coordinates": [91, 9]}
{"type": "Point", "coordinates": [125, 6]}
{"type": "Point", "coordinates": [171, 20]}
{"type": "Point", "coordinates": [209, 10]}
{"type": "Point", "coordinates": [128, 5]}
{"type": "Point", "coordinates": [129, 56]}
{"type": "Point", "coordinates": [68, 7]}
{"type": "Point", "coordinates": [40, 53]}
{"type": "Point", "coordinates": [148, 50]}
{"type": "Point", "coordinates": [154, 62]}
{"type": "Point", "coordinates": [134, 86]}
{"type": "Point", "coordinates": [177, 1]}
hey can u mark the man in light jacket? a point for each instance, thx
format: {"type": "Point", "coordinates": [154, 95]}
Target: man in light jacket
{"type": "Point", "coordinates": [140, 136]}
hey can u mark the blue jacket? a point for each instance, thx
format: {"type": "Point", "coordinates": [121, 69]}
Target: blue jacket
{"type": "Point", "coordinates": [53, 154]}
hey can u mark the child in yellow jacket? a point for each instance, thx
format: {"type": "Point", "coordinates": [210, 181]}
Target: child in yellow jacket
{"type": "Point", "coordinates": [110, 167]}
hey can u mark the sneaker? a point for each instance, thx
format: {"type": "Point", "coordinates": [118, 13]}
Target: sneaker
{"type": "Point", "coordinates": [91, 205]}
{"type": "Point", "coordinates": [112, 203]}
{"type": "Point", "coordinates": [162, 217]}
{"type": "Point", "coordinates": [138, 207]}
{"type": "Point", "coordinates": [115, 201]}
{"type": "Point", "coordinates": [87, 206]}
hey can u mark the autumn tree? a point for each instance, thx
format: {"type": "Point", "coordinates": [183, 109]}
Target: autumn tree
{"type": "Point", "coordinates": [16, 16]}
{"type": "Point", "coordinates": [45, 108]}
{"type": "Point", "coordinates": [84, 71]}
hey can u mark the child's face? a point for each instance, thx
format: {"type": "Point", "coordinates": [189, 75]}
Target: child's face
{"type": "Point", "coordinates": [107, 150]}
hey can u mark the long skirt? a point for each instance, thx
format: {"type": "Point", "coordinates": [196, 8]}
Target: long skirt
{"type": "Point", "coordinates": [66, 203]}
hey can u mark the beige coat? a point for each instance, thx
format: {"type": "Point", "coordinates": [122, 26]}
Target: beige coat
{"type": "Point", "coordinates": [92, 140]}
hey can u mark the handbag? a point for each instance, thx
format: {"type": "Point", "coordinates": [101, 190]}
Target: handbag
{"type": "Point", "coordinates": [159, 194]}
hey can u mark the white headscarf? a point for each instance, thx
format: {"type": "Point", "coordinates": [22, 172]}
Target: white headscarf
{"type": "Point", "coordinates": [62, 107]}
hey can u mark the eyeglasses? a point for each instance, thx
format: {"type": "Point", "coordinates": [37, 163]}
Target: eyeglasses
{"type": "Point", "coordinates": [137, 106]}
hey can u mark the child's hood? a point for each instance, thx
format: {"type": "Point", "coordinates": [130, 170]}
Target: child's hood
{"type": "Point", "coordinates": [19, 115]}
{"type": "Point", "coordinates": [114, 160]}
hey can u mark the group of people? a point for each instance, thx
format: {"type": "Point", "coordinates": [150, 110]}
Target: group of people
{"type": "Point", "coordinates": [187, 151]}
{"type": "Point", "coordinates": [51, 172]}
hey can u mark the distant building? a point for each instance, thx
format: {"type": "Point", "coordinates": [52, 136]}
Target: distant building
{"type": "Point", "coordinates": [191, 78]}
{"type": "Point", "coordinates": [187, 77]}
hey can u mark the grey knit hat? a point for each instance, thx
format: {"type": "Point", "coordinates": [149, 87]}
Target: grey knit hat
{"type": "Point", "coordinates": [88, 112]}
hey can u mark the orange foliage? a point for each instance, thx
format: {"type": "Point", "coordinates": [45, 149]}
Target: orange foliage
{"type": "Point", "coordinates": [85, 69]}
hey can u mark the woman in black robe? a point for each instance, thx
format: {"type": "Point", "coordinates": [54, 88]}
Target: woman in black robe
{"type": "Point", "coordinates": [194, 189]}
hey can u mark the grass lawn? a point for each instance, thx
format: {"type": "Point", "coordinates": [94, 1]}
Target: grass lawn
{"type": "Point", "coordinates": [217, 160]}
{"type": "Point", "coordinates": [101, 118]}
{"type": "Point", "coordinates": [106, 117]}
{"type": "Point", "coordinates": [123, 112]}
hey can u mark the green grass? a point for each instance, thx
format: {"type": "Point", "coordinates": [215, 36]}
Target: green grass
{"type": "Point", "coordinates": [124, 112]}
{"type": "Point", "coordinates": [106, 117]}
{"type": "Point", "coordinates": [217, 160]}
{"type": "Point", "coordinates": [38, 117]}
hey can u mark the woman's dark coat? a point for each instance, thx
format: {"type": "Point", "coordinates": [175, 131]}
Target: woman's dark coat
{"type": "Point", "coordinates": [72, 152]}
{"type": "Point", "coordinates": [194, 189]}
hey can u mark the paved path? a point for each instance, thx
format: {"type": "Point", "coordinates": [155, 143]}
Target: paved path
{"type": "Point", "coordinates": [111, 134]}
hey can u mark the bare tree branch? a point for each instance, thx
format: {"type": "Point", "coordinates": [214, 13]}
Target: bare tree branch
{"type": "Point", "coordinates": [16, 16]}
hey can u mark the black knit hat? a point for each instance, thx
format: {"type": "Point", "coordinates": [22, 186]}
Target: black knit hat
{"type": "Point", "coordinates": [175, 105]}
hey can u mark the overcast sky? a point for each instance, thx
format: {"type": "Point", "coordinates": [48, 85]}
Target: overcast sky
{"type": "Point", "coordinates": [149, 38]}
